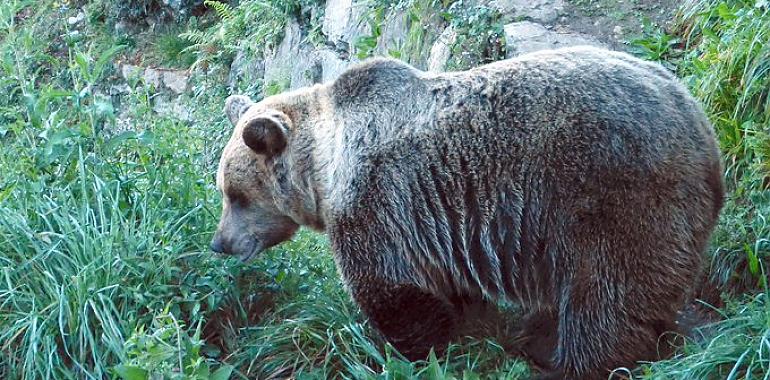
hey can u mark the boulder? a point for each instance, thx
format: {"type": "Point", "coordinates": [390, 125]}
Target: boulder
{"type": "Point", "coordinates": [525, 37]}
{"type": "Point", "coordinates": [171, 107]}
{"type": "Point", "coordinates": [330, 63]}
{"type": "Point", "coordinates": [176, 80]}
{"type": "Point", "coordinates": [541, 11]}
{"type": "Point", "coordinates": [130, 72]}
{"type": "Point", "coordinates": [393, 32]}
{"type": "Point", "coordinates": [245, 68]}
{"type": "Point", "coordinates": [181, 9]}
{"type": "Point", "coordinates": [286, 63]}
{"type": "Point", "coordinates": [153, 77]}
{"type": "Point", "coordinates": [344, 21]}
{"type": "Point", "coordinates": [296, 63]}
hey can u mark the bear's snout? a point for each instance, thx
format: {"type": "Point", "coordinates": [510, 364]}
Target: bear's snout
{"type": "Point", "coordinates": [245, 247]}
{"type": "Point", "coordinates": [216, 244]}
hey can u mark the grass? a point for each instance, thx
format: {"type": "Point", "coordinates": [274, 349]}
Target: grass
{"type": "Point", "coordinates": [737, 348]}
{"type": "Point", "coordinates": [727, 66]}
{"type": "Point", "coordinates": [721, 51]}
{"type": "Point", "coordinates": [104, 265]}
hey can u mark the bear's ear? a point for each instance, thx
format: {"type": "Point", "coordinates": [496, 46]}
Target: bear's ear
{"type": "Point", "coordinates": [236, 106]}
{"type": "Point", "coordinates": [265, 134]}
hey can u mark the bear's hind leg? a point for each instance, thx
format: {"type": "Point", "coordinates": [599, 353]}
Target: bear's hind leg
{"type": "Point", "coordinates": [536, 338]}
{"type": "Point", "coordinates": [594, 338]}
{"type": "Point", "coordinates": [412, 319]}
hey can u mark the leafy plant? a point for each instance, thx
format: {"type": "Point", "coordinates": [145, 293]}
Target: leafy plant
{"type": "Point", "coordinates": [656, 45]}
{"type": "Point", "coordinates": [137, 10]}
{"type": "Point", "coordinates": [175, 51]}
{"type": "Point", "coordinates": [727, 66]}
{"type": "Point", "coordinates": [366, 45]}
{"type": "Point", "coordinates": [166, 351]}
{"type": "Point", "coordinates": [253, 26]}
{"type": "Point", "coordinates": [736, 348]}
{"type": "Point", "coordinates": [480, 37]}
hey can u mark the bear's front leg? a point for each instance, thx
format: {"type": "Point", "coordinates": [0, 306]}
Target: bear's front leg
{"type": "Point", "coordinates": [411, 319]}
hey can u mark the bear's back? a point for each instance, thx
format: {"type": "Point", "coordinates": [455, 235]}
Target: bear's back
{"type": "Point", "coordinates": [580, 119]}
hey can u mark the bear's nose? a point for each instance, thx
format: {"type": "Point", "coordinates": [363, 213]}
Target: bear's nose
{"type": "Point", "coordinates": [217, 245]}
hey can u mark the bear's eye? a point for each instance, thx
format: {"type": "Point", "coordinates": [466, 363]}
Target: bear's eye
{"type": "Point", "coordinates": [236, 197]}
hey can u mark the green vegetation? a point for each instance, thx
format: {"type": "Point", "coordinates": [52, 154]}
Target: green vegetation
{"type": "Point", "coordinates": [727, 66]}
{"type": "Point", "coordinates": [104, 265]}
{"type": "Point", "coordinates": [135, 10]}
{"type": "Point", "coordinates": [480, 37]}
{"type": "Point", "coordinates": [253, 26]}
{"type": "Point", "coordinates": [478, 31]}
{"type": "Point", "coordinates": [722, 51]}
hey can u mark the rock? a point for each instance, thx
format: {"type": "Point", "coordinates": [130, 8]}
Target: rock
{"type": "Point", "coordinates": [120, 27]}
{"type": "Point", "coordinates": [542, 11]}
{"type": "Point", "coordinates": [130, 72]}
{"type": "Point", "coordinates": [306, 73]}
{"type": "Point", "coordinates": [336, 18]}
{"type": "Point", "coordinates": [442, 50]}
{"type": "Point", "coordinates": [295, 63]}
{"type": "Point", "coordinates": [73, 36]}
{"type": "Point", "coordinates": [152, 77]}
{"type": "Point", "coordinates": [175, 108]}
{"type": "Point", "coordinates": [286, 64]}
{"type": "Point", "coordinates": [618, 31]}
{"type": "Point", "coordinates": [119, 89]}
{"type": "Point", "coordinates": [344, 21]}
{"type": "Point", "coordinates": [245, 68]}
{"type": "Point", "coordinates": [123, 123]}
{"type": "Point", "coordinates": [176, 80]}
{"type": "Point", "coordinates": [393, 32]}
{"type": "Point", "coordinates": [76, 19]}
{"type": "Point", "coordinates": [525, 36]}
{"type": "Point", "coordinates": [181, 9]}
{"type": "Point", "coordinates": [331, 65]}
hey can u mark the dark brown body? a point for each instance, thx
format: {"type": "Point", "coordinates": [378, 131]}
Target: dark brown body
{"type": "Point", "coordinates": [582, 183]}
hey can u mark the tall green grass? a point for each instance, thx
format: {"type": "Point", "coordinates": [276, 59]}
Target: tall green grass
{"type": "Point", "coordinates": [104, 266]}
{"type": "Point", "coordinates": [100, 231]}
{"type": "Point", "coordinates": [737, 347]}
{"type": "Point", "coordinates": [726, 64]}
{"type": "Point", "coordinates": [727, 67]}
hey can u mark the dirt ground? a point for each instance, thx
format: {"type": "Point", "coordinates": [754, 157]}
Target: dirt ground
{"type": "Point", "coordinates": [614, 21]}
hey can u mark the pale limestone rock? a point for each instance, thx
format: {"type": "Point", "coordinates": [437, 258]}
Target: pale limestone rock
{"type": "Point", "coordinates": [153, 77]}
{"type": "Point", "coordinates": [176, 80]}
{"type": "Point", "coordinates": [541, 11]}
{"type": "Point", "coordinates": [525, 37]}
{"type": "Point", "coordinates": [442, 50]}
{"type": "Point", "coordinates": [130, 72]}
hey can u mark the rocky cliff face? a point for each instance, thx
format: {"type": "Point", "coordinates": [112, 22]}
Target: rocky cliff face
{"type": "Point", "coordinates": [422, 32]}
{"type": "Point", "coordinates": [296, 62]}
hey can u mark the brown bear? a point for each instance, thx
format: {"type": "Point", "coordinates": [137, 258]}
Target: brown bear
{"type": "Point", "coordinates": [582, 183]}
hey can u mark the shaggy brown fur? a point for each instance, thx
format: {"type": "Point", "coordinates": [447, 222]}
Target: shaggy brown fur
{"type": "Point", "coordinates": [580, 182]}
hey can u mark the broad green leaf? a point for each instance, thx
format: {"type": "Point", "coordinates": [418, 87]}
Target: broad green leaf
{"type": "Point", "coordinates": [223, 373]}
{"type": "Point", "coordinates": [131, 373]}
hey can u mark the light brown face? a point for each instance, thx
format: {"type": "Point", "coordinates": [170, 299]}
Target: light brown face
{"type": "Point", "coordinates": [251, 220]}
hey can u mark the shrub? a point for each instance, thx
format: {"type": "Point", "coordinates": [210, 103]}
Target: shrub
{"type": "Point", "coordinates": [252, 26]}
{"type": "Point", "coordinates": [139, 10]}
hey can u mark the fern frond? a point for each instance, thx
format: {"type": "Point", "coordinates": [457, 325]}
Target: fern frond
{"type": "Point", "coordinates": [224, 10]}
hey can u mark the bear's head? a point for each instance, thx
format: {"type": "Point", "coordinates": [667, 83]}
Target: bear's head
{"type": "Point", "coordinates": [252, 186]}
